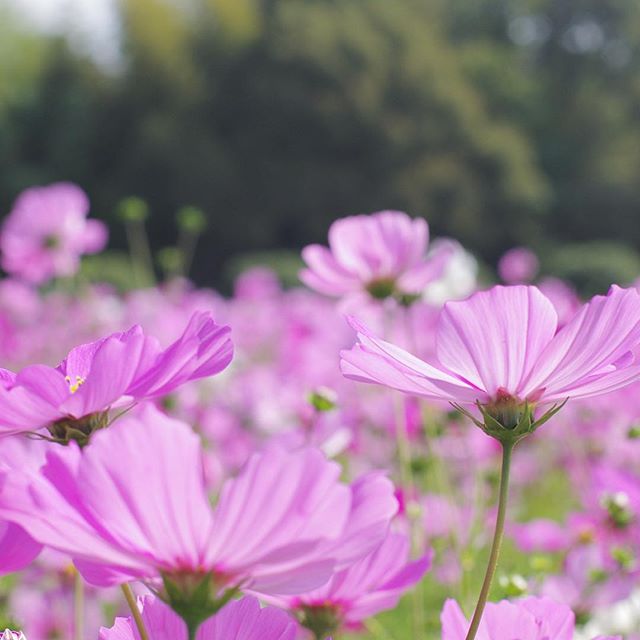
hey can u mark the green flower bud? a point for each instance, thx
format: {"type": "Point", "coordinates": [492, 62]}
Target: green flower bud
{"type": "Point", "coordinates": [634, 432]}
{"type": "Point", "coordinates": [323, 399]}
{"type": "Point", "coordinates": [618, 509]}
{"type": "Point", "coordinates": [191, 219]}
{"type": "Point", "coordinates": [624, 557]}
{"type": "Point", "coordinates": [133, 209]}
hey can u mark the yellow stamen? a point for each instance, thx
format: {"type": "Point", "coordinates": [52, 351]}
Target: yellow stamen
{"type": "Point", "coordinates": [73, 387]}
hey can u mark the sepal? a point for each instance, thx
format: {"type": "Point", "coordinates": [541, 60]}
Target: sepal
{"type": "Point", "coordinates": [195, 598]}
{"type": "Point", "coordinates": [524, 424]}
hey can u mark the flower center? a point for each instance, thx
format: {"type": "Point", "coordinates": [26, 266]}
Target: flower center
{"type": "Point", "coordinates": [51, 242]}
{"type": "Point", "coordinates": [74, 386]}
{"type": "Point", "coordinates": [381, 288]}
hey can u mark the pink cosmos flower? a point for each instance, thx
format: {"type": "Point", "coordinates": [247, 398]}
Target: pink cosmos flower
{"type": "Point", "coordinates": [501, 348]}
{"type": "Point", "coordinates": [73, 398]}
{"type": "Point", "coordinates": [371, 585]}
{"type": "Point", "coordinates": [518, 266]}
{"type": "Point", "coordinates": [47, 231]}
{"type": "Point", "coordinates": [541, 534]}
{"type": "Point", "coordinates": [382, 254]}
{"type": "Point", "coordinates": [239, 620]}
{"type": "Point", "coordinates": [587, 581]}
{"type": "Point", "coordinates": [17, 549]}
{"type": "Point", "coordinates": [133, 505]}
{"type": "Point", "coordinates": [526, 619]}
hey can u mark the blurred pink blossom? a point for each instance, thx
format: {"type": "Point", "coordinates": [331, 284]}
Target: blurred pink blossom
{"type": "Point", "coordinates": [518, 266]}
{"type": "Point", "coordinates": [526, 619]}
{"type": "Point", "coordinates": [47, 231]}
{"type": "Point", "coordinates": [383, 254]}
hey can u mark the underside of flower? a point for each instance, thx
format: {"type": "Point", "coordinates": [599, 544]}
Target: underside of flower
{"type": "Point", "coordinates": [382, 288]}
{"type": "Point", "coordinates": [507, 409]}
{"type": "Point", "coordinates": [65, 430]}
{"type": "Point", "coordinates": [196, 596]}
{"type": "Point", "coordinates": [508, 420]}
{"type": "Point", "coordinates": [322, 620]}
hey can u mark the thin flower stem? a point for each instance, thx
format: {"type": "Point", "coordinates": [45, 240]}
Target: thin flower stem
{"type": "Point", "coordinates": [187, 243]}
{"type": "Point", "coordinates": [135, 612]}
{"type": "Point", "coordinates": [78, 606]}
{"type": "Point", "coordinates": [408, 485]}
{"type": "Point", "coordinates": [507, 449]}
{"type": "Point", "coordinates": [406, 478]}
{"type": "Point", "coordinates": [404, 448]}
{"type": "Point", "coordinates": [140, 252]}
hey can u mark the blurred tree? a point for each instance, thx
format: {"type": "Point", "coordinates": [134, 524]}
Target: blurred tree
{"type": "Point", "coordinates": [575, 95]}
{"type": "Point", "coordinates": [500, 121]}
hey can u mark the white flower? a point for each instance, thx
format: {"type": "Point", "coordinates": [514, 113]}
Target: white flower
{"type": "Point", "coordinates": [12, 635]}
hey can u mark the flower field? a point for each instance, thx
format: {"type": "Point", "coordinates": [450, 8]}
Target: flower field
{"type": "Point", "coordinates": [394, 448]}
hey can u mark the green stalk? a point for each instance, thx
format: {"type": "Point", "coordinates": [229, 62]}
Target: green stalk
{"type": "Point", "coordinates": [78, 606]}
{"type": "Point", "coordinates": [140, 252]}
{"type": "Point", "coordinates": [193, 630]}
{"type": "Point", "coordinates": [135, 612]}
{"type": "Point", "coordinates": [507, 449]}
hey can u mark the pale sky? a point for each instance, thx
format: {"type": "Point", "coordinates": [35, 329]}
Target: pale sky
{"type": "Point", "coordinates": [91, 25]}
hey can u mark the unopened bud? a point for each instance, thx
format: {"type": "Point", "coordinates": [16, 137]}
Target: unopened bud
{"type": "Point", "coordinates": [618, 508]}
{"type": "Point", "coordinates": [513, 585]}
{"type": "Point", "coordinates": [323, 399]}
{"type": "Point", "coordinates": [191, 219]}
{"type": "Point", "coordinates": [634, 432]}
{"type": "Point", "coordinates": [624, 557]}
{"type": "Point", "coordinates": [133, 209]}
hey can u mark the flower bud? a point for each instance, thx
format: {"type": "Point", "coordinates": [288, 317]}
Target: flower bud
{"type": "Point", "coordinates": [192, 220]}
{"type": "Point", "coordinates": [133, 209]}
{"type": "Point", "coordinates": [323, 399]}
{"type": "Point", "coordinates": [618, 509]}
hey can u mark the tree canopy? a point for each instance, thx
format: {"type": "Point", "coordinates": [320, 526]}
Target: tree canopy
{"type": "Point", "coordinates": [501, 122]}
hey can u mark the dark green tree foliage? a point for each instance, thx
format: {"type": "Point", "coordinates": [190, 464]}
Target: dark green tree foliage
{"type": "Point", "coordinates": [500, 122]}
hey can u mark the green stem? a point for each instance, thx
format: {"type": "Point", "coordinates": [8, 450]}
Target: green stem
{"type": "Point", "coordinates": [507, 449]}
{"type": "Point", "coordinates": [193, 629]}
{"type": "Point", "coordinates": [140, 251]}
{"type": "Point", "coordinates": [135, 612]}
{"type": "Point", "coordinates": [407, 481]}
{"type": "Point", "coordinates": [187, 242]}
{"type": "Point", "coordinates": [409, 486]}
{"type": "Point", "coordinates": [78, 606]}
